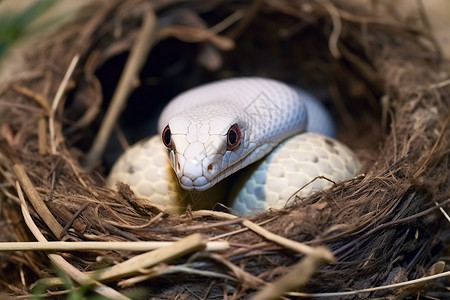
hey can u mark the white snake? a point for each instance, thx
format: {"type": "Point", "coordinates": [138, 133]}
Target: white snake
{"type": "Point", "coordinates": [217, 129]}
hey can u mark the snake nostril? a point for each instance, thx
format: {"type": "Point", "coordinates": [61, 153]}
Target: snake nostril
{"type": "Point", "coordinates": [210, 167]}
{"type": "Point", "coordinates": [178, 166]}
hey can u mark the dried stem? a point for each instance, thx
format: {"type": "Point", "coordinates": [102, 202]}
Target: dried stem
{"type": "Point", "coordinates": [60, 262]}
{"type": "Point", "coordinates": [89, 246]}
{"type": "Point", "coordinates": [37, 202]}
{"type": "Point", "coordinates": [126, 84]}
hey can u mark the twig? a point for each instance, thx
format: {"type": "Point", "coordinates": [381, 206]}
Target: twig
{"type": "Point", "coordinates": [195, 35]}
{"type": "Point", "coordinates": [113, 246]}
{"type": "Point", "coordinates": [126, 84]}
{"type": "Point", "coordinates": [374, 289]}
{"type": "Point", "coordinates": [56, 100]}
{"type": "Point", "coordinates": [245, 278]}
{"type": "Point", "coordinates": [7, 134]}
{"type": "Point", "coordinates": [42, 136]}
{"type": "Point", "coordinates": [295, 194]}
{"type": "Point", "coordinates": [337, 27]}
{"type": "Point", "coordinates": [443, 211]}
{"type": "Point", "coordinates": [60, 262]}
{"type": "Point", "coordinates": [440, 84]}
{"type": "Point", "coordinates": [37, 202]}
{"type": "Point", "coordinates": [226, 216]}
{"type": "Point", "coordinates": [56, 172]}
{"type": "Point", "coordinates": [250, 14]}
{"type": "Point", "coordinates": [155, 219]}
{"type": "Point", "coordinates": [224, 235]}
{"type": "Point", "coordinates": [38, 98]}
{"type": "Point", "coordinates": [228, 21]}
{"type": "Point", "coordinates": [121, 137]}
{"type": "Point", "coordinates": [212, 213]}
{"type": "Point", "coordinates": [293, 245]}
{"type": "Point", "coordinates": [297, 277]}
{"type": "Point", "coordinates": [192, 243]}
{"type": "Point", "coordinates": [198, 227]}
{"type": "Point", "coordinates": [75, 216]}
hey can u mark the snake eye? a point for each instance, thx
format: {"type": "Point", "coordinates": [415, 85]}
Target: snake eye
{"type": "Point", "coordinates": [233, 137]}
{"type": "Point", "coordinates": [167, 137]}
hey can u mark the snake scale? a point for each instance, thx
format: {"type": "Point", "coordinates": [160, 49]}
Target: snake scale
{"type": "Point", "coordinates": [278, 135]}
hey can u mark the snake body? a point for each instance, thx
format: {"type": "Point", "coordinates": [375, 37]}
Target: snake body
{"type": "Point", "coordinates": [217, 129]}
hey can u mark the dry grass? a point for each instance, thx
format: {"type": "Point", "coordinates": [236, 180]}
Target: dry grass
{"type": "Point", "coordinates": [388, 90]}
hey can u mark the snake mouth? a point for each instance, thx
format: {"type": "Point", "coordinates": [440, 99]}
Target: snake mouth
{"type": "Point", "coordinates": [199, 184]}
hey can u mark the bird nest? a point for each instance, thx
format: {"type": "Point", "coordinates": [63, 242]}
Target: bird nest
{"type": "Point", "coordinates": [381, 77]}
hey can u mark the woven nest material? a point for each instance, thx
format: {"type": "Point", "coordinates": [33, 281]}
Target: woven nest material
{"type": "Point", "coordinates": [385, 84]}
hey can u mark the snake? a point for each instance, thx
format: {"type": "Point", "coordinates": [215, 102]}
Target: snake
{"type": "Point", "coordinates": [252, 142]}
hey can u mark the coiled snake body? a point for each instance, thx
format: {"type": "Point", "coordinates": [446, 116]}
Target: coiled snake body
{"type": "Point", "coordinates": [217, 129]}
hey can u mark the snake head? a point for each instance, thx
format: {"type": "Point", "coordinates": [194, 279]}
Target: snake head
{"type": "Point", "coordinates": [202, 151]}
